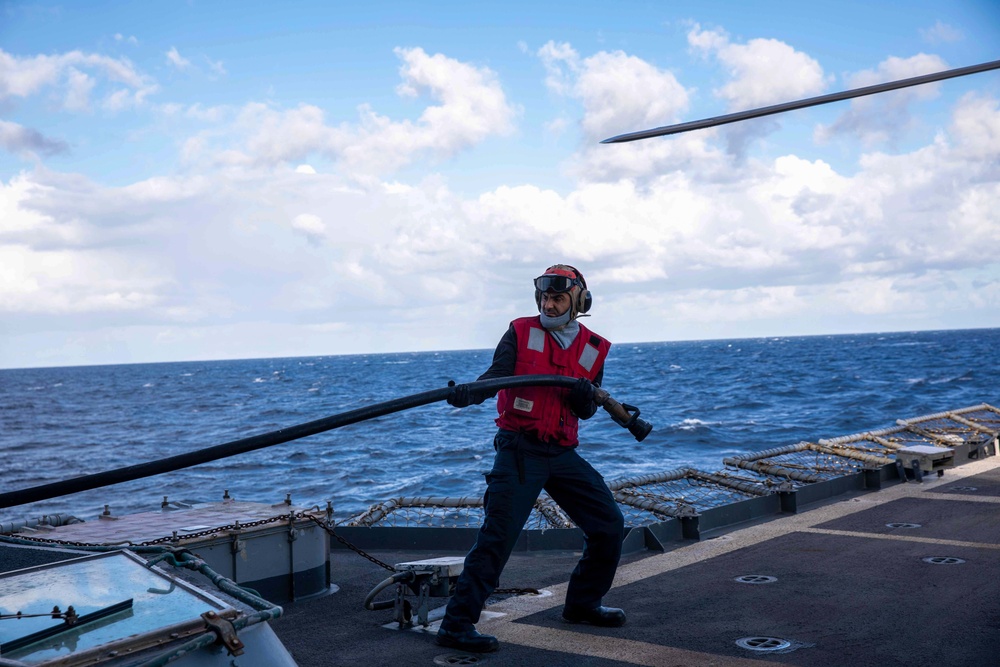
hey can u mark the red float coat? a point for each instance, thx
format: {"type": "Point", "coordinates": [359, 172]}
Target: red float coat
{"type": "Point", "coordinates": [544, 412]}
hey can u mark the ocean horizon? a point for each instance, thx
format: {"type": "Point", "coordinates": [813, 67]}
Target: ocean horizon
{"type": "Point", "coordinates": [490, 349]}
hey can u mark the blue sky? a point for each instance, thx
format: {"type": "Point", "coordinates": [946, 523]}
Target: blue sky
{"type": "Point", "coordinates": [190, 180]}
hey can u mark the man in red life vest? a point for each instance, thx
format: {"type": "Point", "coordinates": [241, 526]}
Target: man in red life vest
{"type": "Point", "coordinates": [535, 450]}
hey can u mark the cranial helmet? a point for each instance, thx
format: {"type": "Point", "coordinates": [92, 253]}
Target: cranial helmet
{"type": "Point", "coordinates": [564, 278]}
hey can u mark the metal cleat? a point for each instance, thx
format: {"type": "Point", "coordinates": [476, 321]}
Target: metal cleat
{"type": "Point", "coordinates": [925, 459]}
{"type": "Point", "coordinates": [435, 577]}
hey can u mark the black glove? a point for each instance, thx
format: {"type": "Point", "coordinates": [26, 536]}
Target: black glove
{"type": "Point", "coordinates": [581, 398]}
{"type": "Point", "coordinates": [462, 395]}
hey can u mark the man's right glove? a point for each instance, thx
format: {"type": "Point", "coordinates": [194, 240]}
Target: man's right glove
{"type": "Point", "coordinates": [581, 398]}
{"type": "Point", "coordinates": [462, 396]}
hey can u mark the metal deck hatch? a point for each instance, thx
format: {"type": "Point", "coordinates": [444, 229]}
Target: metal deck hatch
{"type": "Point", "coordinates": [162, 605]}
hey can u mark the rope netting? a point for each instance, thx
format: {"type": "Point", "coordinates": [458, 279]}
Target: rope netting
{"type": "Point", "coordinates": [808, 462]}
{"type": "Point", "coordinates": [678, 493]}
{"type": "Point", "coordinates": [973, 425]}
{"type": "Point", "coordinates": [443, 512]}
{"type": "Point", "coordinates": [686, 492]}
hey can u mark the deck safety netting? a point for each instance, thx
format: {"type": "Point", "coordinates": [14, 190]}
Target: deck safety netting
{"type": "Point", "coordinates": [807, 462]}
{"type": "Point", "coordinates": [676, 493]}
{"type": "Point", "coordinates": [685, 492]}
{"type": "Point", "coordinates": [983, 415]}
{"type": "Point", "coordinates": [441, 512]}
{"type": "Point", "coordinates": [941, 430]}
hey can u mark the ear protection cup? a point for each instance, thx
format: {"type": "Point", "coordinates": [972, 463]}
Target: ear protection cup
{"type": "Point", "coordinates": [584, 299]}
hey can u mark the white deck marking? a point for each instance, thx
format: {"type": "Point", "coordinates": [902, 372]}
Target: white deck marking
{"type": "Point", "coordinates": [897, 537]}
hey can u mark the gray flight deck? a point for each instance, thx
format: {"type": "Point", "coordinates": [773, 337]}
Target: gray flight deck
{"type": "Point", "coordinates": [847, 590]}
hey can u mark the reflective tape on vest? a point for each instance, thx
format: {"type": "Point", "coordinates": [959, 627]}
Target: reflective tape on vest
{"type": "Point", "coordinates": [536, 340]}
{"type": "Point", "coordinates": [589, 356]}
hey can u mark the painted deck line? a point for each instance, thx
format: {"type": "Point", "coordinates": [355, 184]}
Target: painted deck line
{"type": "Point", "coordinates": [627, 651]}
{"type": "Point", "coordinates": [902, 538]}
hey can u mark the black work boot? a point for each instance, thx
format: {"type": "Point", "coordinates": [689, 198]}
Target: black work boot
{"type": "Point", "coordinates": [467, 640]}
{"type": "Point", "coordinates": [606, 617]}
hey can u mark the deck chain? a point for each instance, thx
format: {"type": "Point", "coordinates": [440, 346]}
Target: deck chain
{"type": "Point", "coordinates": [233, 527]}
{"type": "Point", "coordinates": [328, 528]}
{"type": "Point", "coordinates": [170, 538]}
{"type": "Point", "coordinates": [68, 543]}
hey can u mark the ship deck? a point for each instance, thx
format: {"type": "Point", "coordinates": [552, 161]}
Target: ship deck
{"type": "Point", "coordinates": [848, 590]}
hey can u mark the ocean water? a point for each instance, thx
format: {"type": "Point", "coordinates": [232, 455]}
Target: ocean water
{"type": "Point", "coordinates": [706, 399]}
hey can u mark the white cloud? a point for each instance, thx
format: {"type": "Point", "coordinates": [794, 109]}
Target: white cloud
{"type": "Point", "coordinates": [941, 33]}
{"type": "Point", "coordinates": [28, 76]}
{"type": "Point", "coordinates": [618, 92]}
{"type": "Point", "coordinates": [870, 296]}
{"type": "Point", "coordinates": [217, 67]}
{"type": "Point", "coordinates": [200, 250]}
{"type": "Point", "coordinates": [473, 105]}
{"type": "Point", "coordinates": [739, 305]}
{"type": "Point", "coordinates": [471, 108]}
{"type": "Point", "coordinates": [762, 71]}
{"type": "Point", "coordinates": [176, 59]}
{"type": "Point", "coordinates": [877, 119]}
{"type": "Point", "coordinates": [560, 61]}
{"type": "Point", "coordinates": [63, 282]}
{"type": "Point", "coordinates": [893, 68]}
{"type": "Point", "coordinates": [557, 126]}
{"type": "Point", "coordinates": [78, 85]}
{"type": "Point", "coordinates": [51, 264]}
{"type": "Point", "coordinates": [311, 226]}
{"type": "Point", "coordinates": [281, 136]}
{"type": "Point", "coordinates": [621, 91]}
{"type": "Point", "coordinates": [976, 128]}
{"type": "Point", "coordinates": [208, 114]}
{"type": "Point", "coordinates": [22, 140]}
{"type": "Point", "coordinates": [643, 161]}
{"type": "Point", "coordinates": [20, 77]}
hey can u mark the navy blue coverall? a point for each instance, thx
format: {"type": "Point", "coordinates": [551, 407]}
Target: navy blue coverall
{"type": "Point", "coordinates": [569, 480]}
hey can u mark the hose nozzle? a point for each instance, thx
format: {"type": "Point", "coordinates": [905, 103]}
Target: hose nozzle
{"type": "Point", "coordinates": [623, 414]}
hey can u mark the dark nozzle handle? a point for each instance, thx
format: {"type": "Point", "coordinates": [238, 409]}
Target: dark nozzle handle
{"type": "Point", "coordinates": [623, 414]}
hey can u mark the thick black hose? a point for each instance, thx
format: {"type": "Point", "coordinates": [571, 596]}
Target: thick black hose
{"type": "Point", "coordinates": [171, 463]}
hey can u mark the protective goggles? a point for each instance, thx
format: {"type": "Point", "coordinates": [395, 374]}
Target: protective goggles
{"type": "Point", "coordinates": [555, 283]}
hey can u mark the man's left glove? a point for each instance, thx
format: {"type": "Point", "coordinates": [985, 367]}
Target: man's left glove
{"type": "Point", "coordinates": [462, 396]}
{"type": "Point", "coordinates": [581, 397]}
